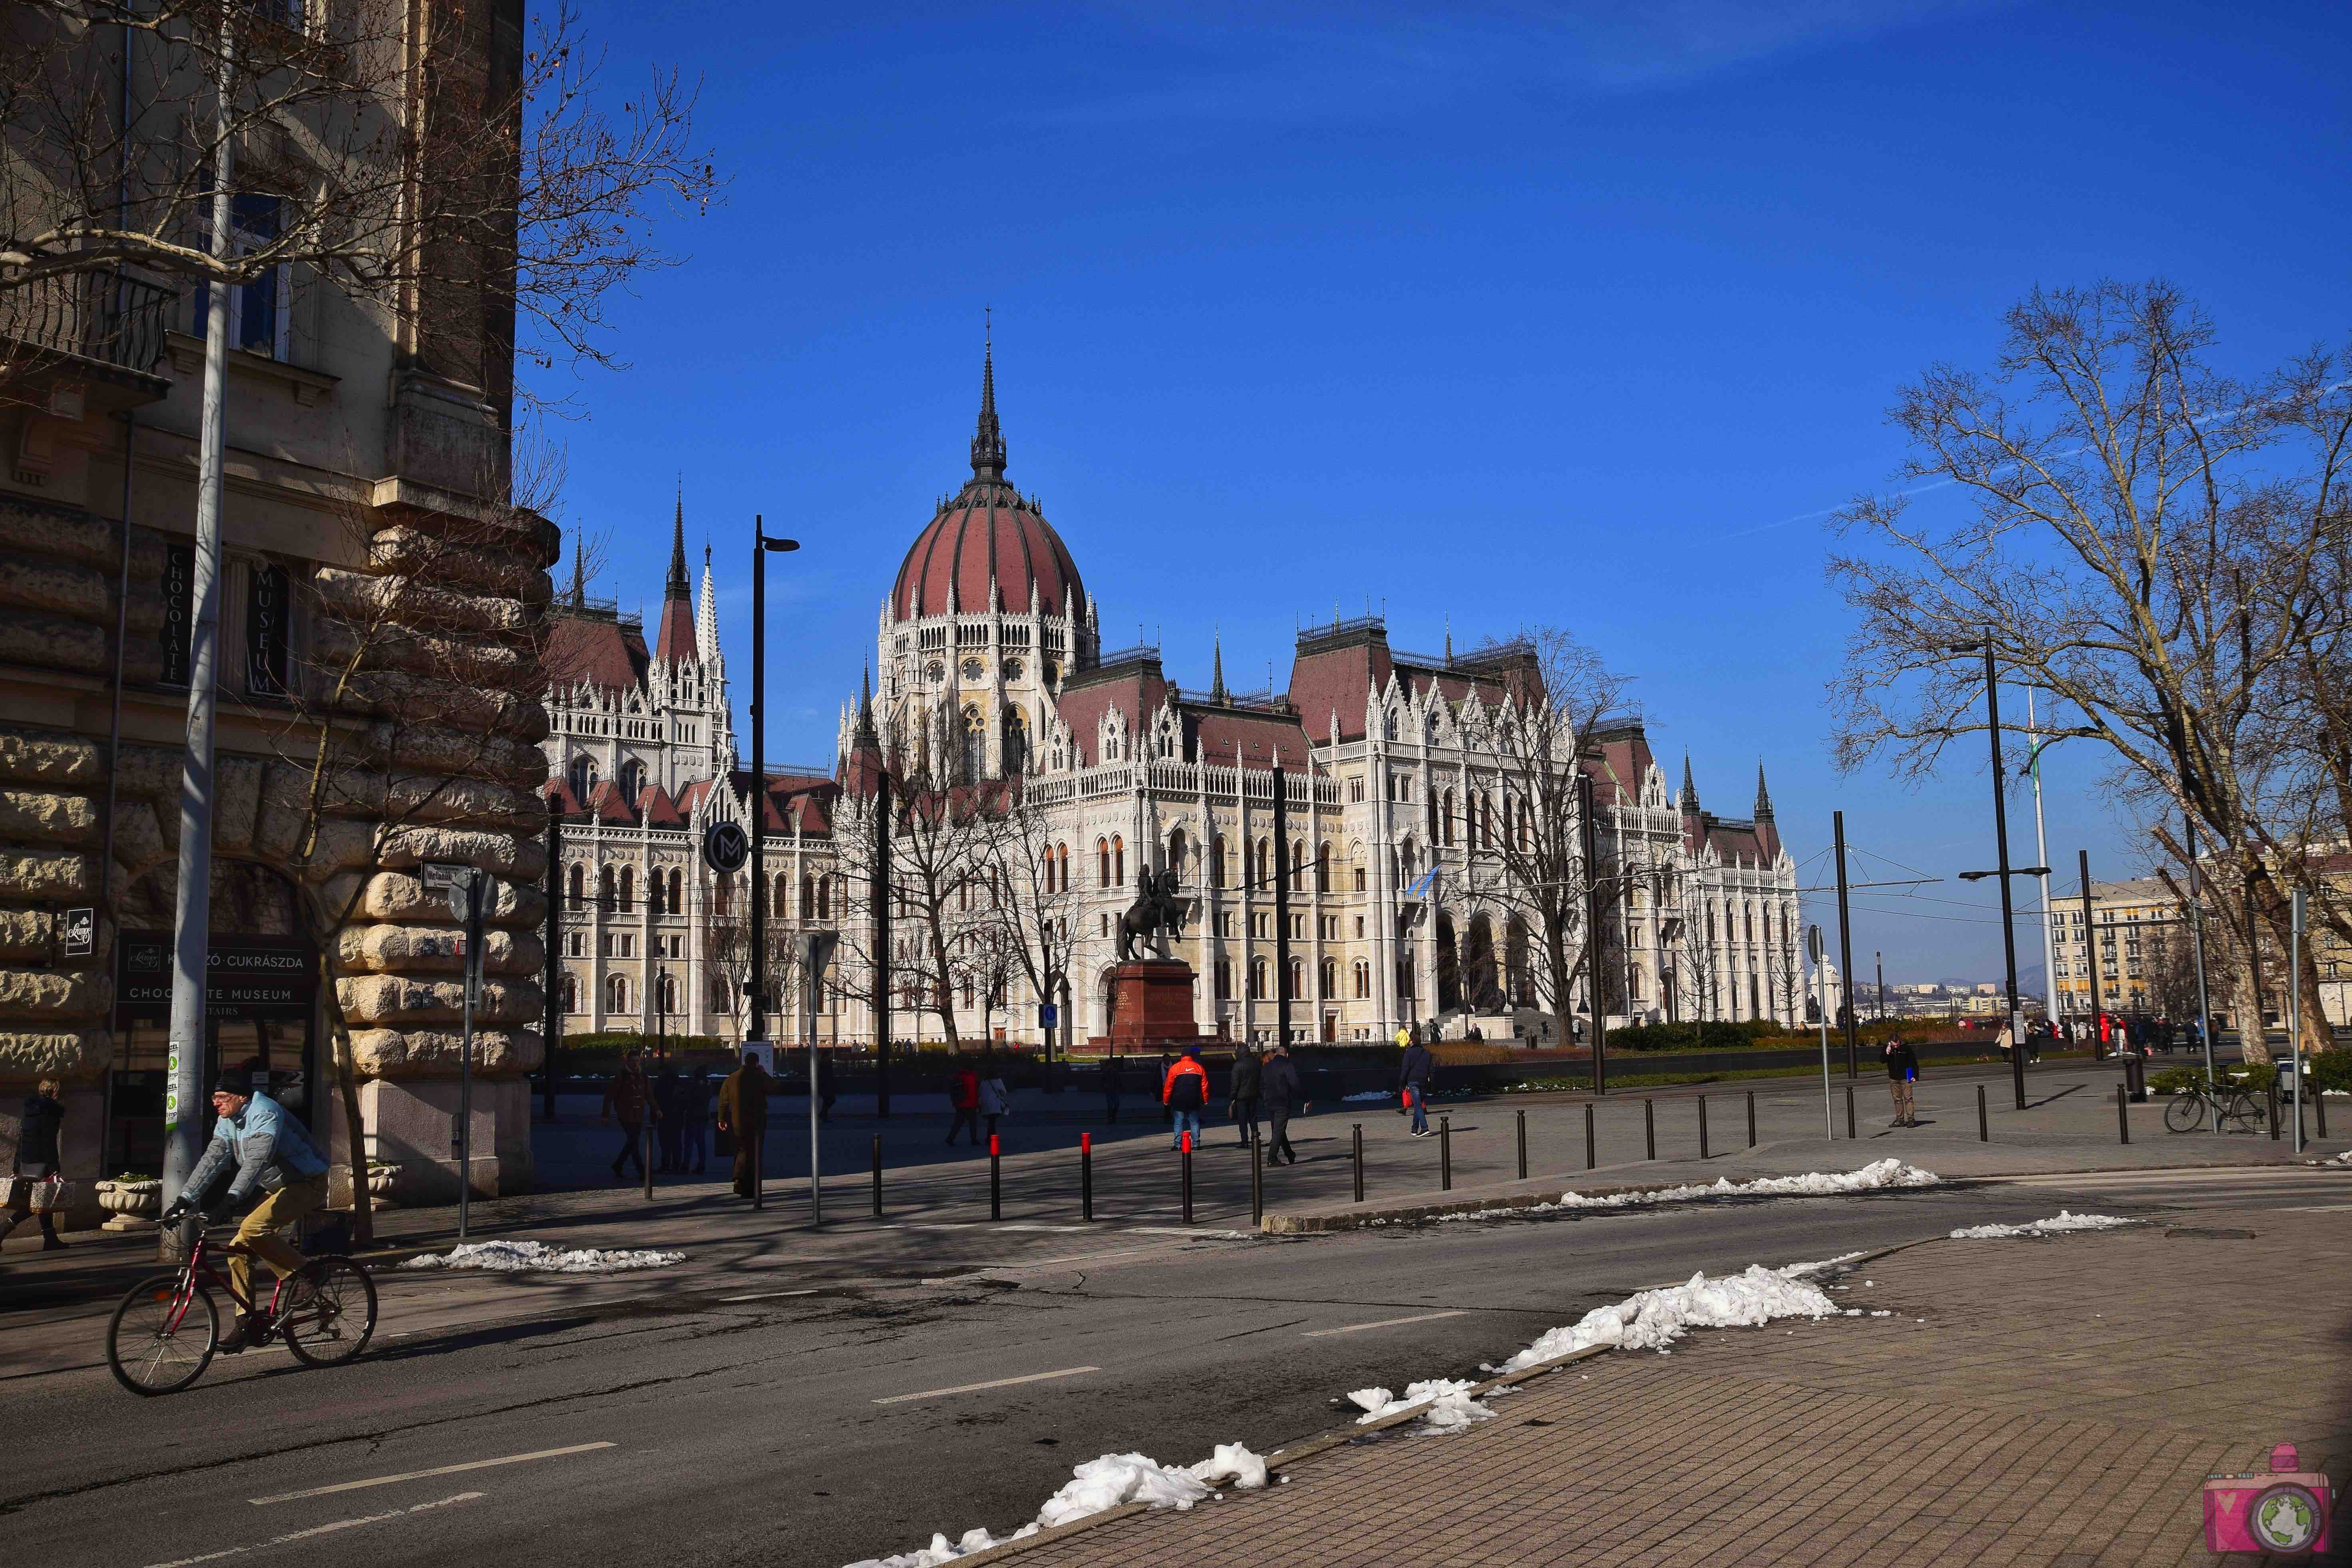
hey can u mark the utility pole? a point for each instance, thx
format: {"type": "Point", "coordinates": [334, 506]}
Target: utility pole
{"type": "Point", "coordinates": [2259, 1029]}
{"type": "Point", "coordinates": [2295, 1014]}
{"type": "Point", "coordinates": [183, 1098]}
{"type": "Point", "coordinates": [758, 988]}
{"type": "Point", "coordinates": [1282, 908]}
{"type": "Point", "coordinates": [1846, 955]}
{"type": "Point", "coordinates": [2090, 948]}
{"type": "Point", "coordinates": [1879, 958]}
{"type": "Point", "coordinates": [878, 895]}
{"type": "Point", "coordinates": [2042, 858]}
{"type": "Point", "coordinates": [2197, 940]}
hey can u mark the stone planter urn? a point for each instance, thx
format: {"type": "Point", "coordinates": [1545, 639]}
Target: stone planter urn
{"type": "Point", "coordinates": [130, 1203]}
{"type": "Point", "coordinates": [381, 1179]}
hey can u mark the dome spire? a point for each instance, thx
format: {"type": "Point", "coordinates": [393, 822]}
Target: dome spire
{"type": "Point", "coordinates": [677, 588]}
{"type": "Point", "coordinates": [1217, 668]}
{"type": "Point", "coordinates": [987, 440]}
{"type": "Point", "coordinates": [1690, 790]}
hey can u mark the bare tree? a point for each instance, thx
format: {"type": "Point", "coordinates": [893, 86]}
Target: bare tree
{"type": "Point", "coordinates": [1699, 960]}
{"type": "Point", "coordinates": [1035, 909]}
{"type": "Point", "coordinates": [2150, 542]}
{"type": "Point", "coordinates": [380, 147]}
{"type": "Point", "coordinates": [1550, 698]}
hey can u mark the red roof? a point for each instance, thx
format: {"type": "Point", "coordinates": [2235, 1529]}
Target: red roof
{"type": "Point", "coordinates": [673, 644]}
{"type": "Point", "coordinates": [603, 652]}
{"type": "Point", "coordinates": [987, 535]}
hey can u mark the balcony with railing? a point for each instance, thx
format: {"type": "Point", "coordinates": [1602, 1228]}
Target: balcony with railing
{"type": "Point", "coordinates": [84, 322]}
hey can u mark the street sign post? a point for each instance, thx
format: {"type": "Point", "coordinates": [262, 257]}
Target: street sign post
{"type": "Point", "coordinates": [724, 847]}
{"type": "Point", "coordinates": [1821, 1007]}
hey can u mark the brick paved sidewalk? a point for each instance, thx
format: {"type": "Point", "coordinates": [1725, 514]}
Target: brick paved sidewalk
{"type": "Point", "coordinates": [2051, 1408]}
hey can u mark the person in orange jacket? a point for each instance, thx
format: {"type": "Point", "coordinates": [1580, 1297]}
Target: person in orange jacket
{"type": "Point", "coordinates": [1184, 1092]}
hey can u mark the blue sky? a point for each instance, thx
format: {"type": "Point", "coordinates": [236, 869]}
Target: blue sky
{"type": "Point", "coordinates": [1497, 316]}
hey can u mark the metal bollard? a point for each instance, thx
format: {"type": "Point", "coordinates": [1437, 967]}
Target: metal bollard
{"type": "Point", "coordinates": [1086, 1176]}
{"type": "Point", "coordinates": [1258, 1182]}
{"type": "Point", "coordinates": [759, 1167]}
{"type": "Point", "coordinates": [1445, 1154]}
{"type": "Point", "coordinates": [1701, 1127]}
{"type": "Point", "coordinates": [1523, 1144]}
{"type": "Point", "coordinates": [2319, 1109]}
{"type": "Point", "coordinates": [1751, 1119]}
{"type": "Point", "coordinates": [646, 1159]}
{"type": "Point", "coordinates": [2273, 1099]}
{"type": "Point", "coordinates": [1849, 1112]}
{"type": "Point", "coordinates": [1188, 1178]}
{"type": "Point", "coordinates": [1649, 1128]}
{"type": "Point", "coordinates": [1984, 1131]}
{"type": "Point", "coordinates": [1359, 1161]}
{"type": "Point", "coordinates": [877, 1175]}
{"type": "Point", "coordinates": [2123, 1114]}
{"type": "Point", "coordinates": [1588, 1136]}
{"type": "Point", "coordinates": [995, 1181]}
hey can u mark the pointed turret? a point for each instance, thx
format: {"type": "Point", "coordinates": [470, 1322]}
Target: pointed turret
{"type": "Point", "coordinates": [706, 617]}
{"type": "Point", "coordinates": [676, 643]}
{"type": "Point", "coordinates": [988, 439]}
{"type": "Point", "coordinates": [1763, 796]}
{"type": "Point", "coordinates": [1217, 668]}
{"type": "Point", "coordinates": [1690, 790]}
{"type": "Point", "coordinates": [1768, 835]}
{"type": "Point", "coordinates": [579, 577]}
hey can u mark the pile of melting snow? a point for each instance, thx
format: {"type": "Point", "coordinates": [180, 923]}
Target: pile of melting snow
{"type": "Point", "coordinates": [537, 1256]}
{"type": "Point", "coordinates": [2058, 1223]}
{"type": "Point", "coordinates": [1878, 1176]}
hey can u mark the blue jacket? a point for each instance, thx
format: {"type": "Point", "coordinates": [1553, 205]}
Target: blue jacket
{"type": "Point", "coordinates": [269, 1145]}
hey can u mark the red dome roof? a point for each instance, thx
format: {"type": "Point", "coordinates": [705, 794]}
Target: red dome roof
{"type": "Point", "coordinates": [987, 536]}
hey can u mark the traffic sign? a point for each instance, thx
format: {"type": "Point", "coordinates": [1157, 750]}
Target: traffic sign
{"type": "Point", "coordinates": [1047, 1014]}
{"type": "Point", "coordinates": [725, 847]}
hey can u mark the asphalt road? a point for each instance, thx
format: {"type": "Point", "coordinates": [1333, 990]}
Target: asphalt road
{"type": "Point", "coordinates": [776, 1431]}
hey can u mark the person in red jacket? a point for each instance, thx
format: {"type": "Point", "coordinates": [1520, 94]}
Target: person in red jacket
{"type": "Point", "coordinates": [963, 1097]}
{"type": "Point", "coordinates": [1184, 1092]}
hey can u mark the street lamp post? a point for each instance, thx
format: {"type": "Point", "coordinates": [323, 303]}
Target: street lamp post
{"type": "Point", "coordinates": [1845, 956]}
{"type": "Point", "coordinates": [2003, 869]}
{"type": "Point", "coordinates": [757, 998]}
{"type": "Point", "coordinates": [2197, 940]}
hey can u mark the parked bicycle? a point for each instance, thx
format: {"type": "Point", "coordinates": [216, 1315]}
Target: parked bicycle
{"type": "Point", "coordinates": [163, 1334]}
{"type": "Point", "coordinates": [2233, 1107]}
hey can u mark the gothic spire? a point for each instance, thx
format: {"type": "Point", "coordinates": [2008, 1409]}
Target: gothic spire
{"type": "Point", "coordinates": [1763, 795]}
{"type": "Point", "coordinates": [987, 440]}
{"type": "Point", "coordinates": [579, 576]}
{"type": "Point", "coordinates": [1690, 790]}
{"type": "Point", "coordinates": [865, 734]}
{"type": "Point", "coordinates": [1217, 668]}
{"type": "Point", "coordinates": [677, 588]}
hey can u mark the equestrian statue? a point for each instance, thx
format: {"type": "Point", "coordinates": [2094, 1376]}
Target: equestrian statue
{"type": "Point", "coordinates": [1157, 915]}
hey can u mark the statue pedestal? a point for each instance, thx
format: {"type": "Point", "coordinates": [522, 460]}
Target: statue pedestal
{"type": "Point", "coordinates": [1151, 1007]}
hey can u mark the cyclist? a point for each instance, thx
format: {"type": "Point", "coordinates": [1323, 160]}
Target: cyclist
{"type": "Point", "coordinates": [272, 1149]}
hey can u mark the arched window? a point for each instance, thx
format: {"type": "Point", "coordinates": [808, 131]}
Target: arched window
{"type": "Point", "coordinates": [628, 888]}
{"type": "Point", "coordinates": [1363, 980]}
{"type": "Point", "coordinates": [579, 884]}
{"type": "Point", "coordinates": [656, 892]}
{"type": "Point", "coordinates": [1102, 863]}
{"type": "Point", "coordinates": [975, 743]}
{"type": "Point", "coordinates": [1257, 979]}
{"type": "Point", "coordinates": [1016, 741]}
{"type": "Point", "coordinates": [633, 780]}
{"type": "Point", "coordinates": [666, 993]}
{"type": "Point", "coordinates": [1265, 875]}
{"type": "Point", "coordinates": [963, 898]}
{"type": "Point", "coordinates": [808, 897]}
{"type": "Point", "coordinates": [1217, 861]}
{"type": "Point", "coordinates": [616, 993]}
{"type": "Point", "coordinates": [1297, 977]}
{"type": "Point", "coordinates": [1176, 853]}
{"type": "Point", "coordinates": [1224, 980]}
{"type": "Point", "coordinates": [1046, 872]}
{"type": "Point", "coordinates": [676, 891]}
{"type": "Point", "coordinates": [584, 778]}
{"type": "Point", "coordinates": [966, 990]}
{"type": "Point", "coordinates": [1447, 823]}
{"type": "Point", "coordinates": [1748, 920]}
{"type": "Point", "coordinates": [1118, 860]}
{"type": "Point", "coordinates": [1062, 868]}
{"type": "Point", "coordinates": [604, 899]}
{"type": "Point", "coordinates": [1359, 873]}
{"type": "Point", "coordinates": [572, 993]}
{"type": "Point", "coordinates": [824, 898]}
{"type": "Point", "coordinates": [1298, 865]}
{"type": "Point", "coordinates": [1330, 978]}
{"type": "Point", "coordinates": [1323, 867]}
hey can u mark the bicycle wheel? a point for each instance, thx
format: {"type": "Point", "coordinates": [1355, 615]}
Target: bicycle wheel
{"type": "Point", "coordinates": [2185, 1113]}
{"type": "Point", "coordinates": [332, 1314]}
{"type": "Point", "coordinates": [161, 1340]}
{"type": "Point", "coordinates": [2243, 1114]}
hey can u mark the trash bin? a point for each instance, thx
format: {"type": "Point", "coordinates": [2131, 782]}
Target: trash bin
{"type": "Point", "coordinates": [2135, 1075]}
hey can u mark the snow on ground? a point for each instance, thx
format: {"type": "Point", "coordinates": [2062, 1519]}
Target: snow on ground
{"type": "Point", "coordinates": [1654, 1320]}
{"type": "Point", "coordinates": [2058, 1223]}
{"type": "Point", "coordinates": [1878, 1176]}
{"type": "Point", "coordinates": [1451, 1405]}
{"type": "Point", "coordinates": [1797, 1270]}
{"type": "Point", "coordinates": [1367, 1095]}
{"type": "Point", "coordinates": [537, 1256]}
{"type": "Point", "coordinates": [1102, 1483]}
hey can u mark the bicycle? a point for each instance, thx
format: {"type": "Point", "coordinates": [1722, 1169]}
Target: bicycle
{"type": "Point", "coordinates": [2233, 1107]}
{"type": "Point", "coordinates": [165, 1331]}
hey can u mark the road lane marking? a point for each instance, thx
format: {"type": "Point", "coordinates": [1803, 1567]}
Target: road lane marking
{"type": "Point", "coordinates": [2191, 1175]}
{"type": "Point", "coordinates": [768, 1295]}
{"type": "Point", "coordinates": [996, 1382]}
{"type": "Point", "coordinates": [2323, 1208]}
{"type": "Point", "coordinates": [318, 1530]}
{"type": "Point", "coordinates": [436, 1470]}
{"type": "Point", "coordinates": [1383, 1324]}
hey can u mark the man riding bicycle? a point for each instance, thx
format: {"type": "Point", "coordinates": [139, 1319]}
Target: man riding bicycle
{"type": "Point", "coordinates": [272, 1149]}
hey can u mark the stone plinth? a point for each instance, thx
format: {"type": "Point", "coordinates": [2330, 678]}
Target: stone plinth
{"type": "Point", "coordinates": [1152, 1007]}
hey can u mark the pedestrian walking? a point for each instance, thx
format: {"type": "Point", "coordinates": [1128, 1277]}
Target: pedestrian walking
{"type": "Point", "coordinates": [826, 1092]}
{"type": "Point", "coordinates": [1283, 1094]}
{"type": "Point", "coordinates": [744, 1113]}
{"type": "Point", "coordinates": [963, 1098]}
{"type": "Point", "coordinates": [1114, 1081]}
{"type": "Point", "coordinates": [694, 1120]}
{"type": "Point", "coordinates": [1184, 1093]}
{"type": "Point", "coordinates": [628, 1100]}
{"type": "Point", "coordinates": [995, 1100]}
{"type": "Point", "coordinates": [1902, 1074]}
{"type": "Point", "coordinates": [669, 1124]}
{"type": "Point", "coordinates": [37, 1160]}
{"type": "Point", "coordinates": [1413, 1083]}
{"type": "Point", "coordinates": [1243, 1092]}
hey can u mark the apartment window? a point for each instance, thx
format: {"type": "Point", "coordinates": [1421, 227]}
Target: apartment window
{"type": "Point", "coordinates": [266, 616]}
{"type": "Point", "coordinates": [616, 994]}
{"type": "Point", "coordinates": [260, 313]}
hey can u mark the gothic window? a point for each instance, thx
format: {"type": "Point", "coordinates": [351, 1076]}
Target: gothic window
{"type": "Point", "coordinates": [935, 671]}
{"type": "Point", "coordinates": [808, 897]}
{"type": "Point", "coordinates": [1363, 980]}
{"type": "Point", "coordinates": [1062, 865]}
{"type": "Point", "coordinates": [1298, 865]}
{"type": "Point", "coordinates": [1102, 863]}
{"type": "Point", "coordinates": [973, 669]}
{"type": "Point", "coordinates": [677, 891]}
{"type": "Point", "coordinates": [1217, 861]}
{"type": "Point", "coordinates": [1016, 741]}
{"type": "Point", "coordinates": [605, 890]}
{"type": "Point", "coordinates": [628, 888]}
{"type": "Point", "coordinates": [1298, 978]}
{"type": "Point", "coordinates": [722, 899]}
{"type": "Point", "coordinates": [633, 780]}
{"type": "Point", "coordinates": [824, 898]}
{"type": "Point", "coordinates": [1176, 852]}
{"type": "Point", "coordinates": [1265, 877]}
{"type": "Point", "coordinates": [584, 778]}
{"type": "Point", "coordinates": [1447, 822]}
{"type": "Point", "coordinates": [666, 993]}
{"type": "Point", "coordinates": [656, 891]}
{"type": "Point", "coordinates": [1257, 979]}
{"type": "Point", "coordinates": [1330, 979]}
{"type": "Point", "coordinates": [975, 743]}
{"type": "Point", "coordinates": [616, 994]}
{"type": "Point", "coordinates": [578, 883]}
{"type": "Point", "coordinates": [1118, 862]}
{"type": "Point", "coordinates": [1323, 867]}
{"type": "Point", "coordinates": [1046, 872]}
{"type": "Point", "coordinates": [572, 993]}
{"type": "Point", "coordinates": [1224, 980]}
{"type": "Point", "coordinates": [1012, 669]}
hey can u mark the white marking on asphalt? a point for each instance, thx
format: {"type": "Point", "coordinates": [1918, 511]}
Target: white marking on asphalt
{"type": "Point", "coordinates": [2323, 1208]}
{"type": "Point", "coordinates": [436, 1470]}
{"type": "Point", "coordinates": [2196, 1175]}
{"type": "Point", "coordinates": [996, 1382]}
{"type": "Point", "coordinates": [1383, 1324]}
{"type": "Point", "coordinates": [317, 1529]}
{"type": "Point", "coordinates": [768, 1295]}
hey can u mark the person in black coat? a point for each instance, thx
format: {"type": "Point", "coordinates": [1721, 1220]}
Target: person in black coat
{"type": "Point", "coordinates": [669, 1099]}
{"type": "Point", "coordinates": [1419, 1066]}
{"type": "Point", "coordinates": [1245, 1094]}
{"type": "Point", "coordinates": [1114, 1080]}
{"type": "Point", "coordinates": [36, 1158]}
{"type": "Point", "coordinates": [1280, 1094]}
{"type": "Point", "coordinates": [1902, 1075]}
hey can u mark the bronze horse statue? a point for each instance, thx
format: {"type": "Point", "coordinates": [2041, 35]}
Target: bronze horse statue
{"type": "Point", "coordinates": [1157, 914]}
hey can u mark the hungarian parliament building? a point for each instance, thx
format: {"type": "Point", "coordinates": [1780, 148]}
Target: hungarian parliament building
{"type": "Point", "coordinates": [988, 672]}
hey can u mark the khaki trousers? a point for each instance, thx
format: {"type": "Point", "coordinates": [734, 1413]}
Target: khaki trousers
{"type": "Point", "coordinates": [258, 1233]}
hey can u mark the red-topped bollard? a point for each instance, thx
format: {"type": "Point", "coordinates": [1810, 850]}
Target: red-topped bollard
{"type": "Point", "coordinates": [1188, 1177]}
{"type": "Point", "coordinates": [1086, 1176]}
{"type": "Point", "coordinates": [995, 1180]}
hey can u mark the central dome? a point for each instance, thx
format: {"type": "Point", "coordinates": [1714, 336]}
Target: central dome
{"type": "Point", "coordinates": [987, 538]}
